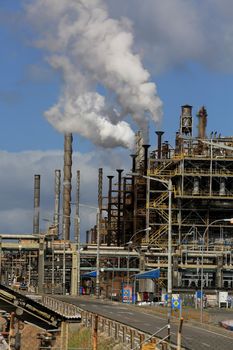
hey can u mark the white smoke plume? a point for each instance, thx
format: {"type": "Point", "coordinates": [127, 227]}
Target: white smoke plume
{"type": "Point", "coordinates": [95, 52]}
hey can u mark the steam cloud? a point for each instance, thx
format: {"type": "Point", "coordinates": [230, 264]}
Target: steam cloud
{"type": "Point", "coordinates": [94, 52]}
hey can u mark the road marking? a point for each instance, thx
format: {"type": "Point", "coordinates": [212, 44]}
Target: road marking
{"type": "Point", "coordinates": [206, 330]}
{"type": "Point", "coordinates": [208, 345]}
{"type": "Point", "coordinates": [189, 338]}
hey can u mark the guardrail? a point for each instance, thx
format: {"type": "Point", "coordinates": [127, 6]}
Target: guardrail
{"type": "Point", "coordinates": [133, 338]}
{"type": "Point", "coordinates": [61, 307]}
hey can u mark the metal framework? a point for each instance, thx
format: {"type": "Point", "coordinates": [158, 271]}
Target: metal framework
{"type": "Point", "coordinates": [201, 170]}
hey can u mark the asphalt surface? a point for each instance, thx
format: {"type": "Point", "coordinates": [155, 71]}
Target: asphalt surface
{"type": "Point", "coordinates": [194, 336]}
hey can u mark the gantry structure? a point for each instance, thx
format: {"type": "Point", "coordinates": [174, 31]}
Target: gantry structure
{"type": "Point", "coordinates": [200, 168]}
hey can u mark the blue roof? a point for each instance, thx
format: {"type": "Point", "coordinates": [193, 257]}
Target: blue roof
{"type": "Point", "coordinates": [151, 274]}
{"type": "Point", "coordinates": [89, 274]}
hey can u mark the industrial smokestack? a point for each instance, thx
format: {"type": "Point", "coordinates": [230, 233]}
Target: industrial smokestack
{"type": "Point", "coordinates": [77, 219]}
{"type": "Point", "coordinates": [202, 122]}
{"type": "Point", "coordinates": [100, 196]}
{"type": "Point", "coordinates": [119, 207]}
{"type": "Point", "coordinates": [67, 185]}
{"type": "Point", "coordinates": [159, 138]}
{"type": "Point", "coordinates": [109, 238]}
{"type": "Point", "coordinates": [134, 156]}
{"type": "Point", "coordinates": [36, 217]}
{"type": "Point", "coordinates": [146, 147]}
{"type": "Point", "coordinates": [57, 190]}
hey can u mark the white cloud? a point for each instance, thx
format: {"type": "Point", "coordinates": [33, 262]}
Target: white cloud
{"type": "Point", "coordinates": [172, 32]}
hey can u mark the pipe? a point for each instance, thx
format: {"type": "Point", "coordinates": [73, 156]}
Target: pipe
{"type": "Point", "coordinates": [118, 238]}
{"type": "Point", "coordinates": [100, 195]}
{"type": "Point", "coordinates": [124, 209]}
{"type": "Point", "coordinates": [159, 138]}
{"type": "Point", "coordinates": [146, 147]}
{"type": "Point", "coordinates": [77, 219]}
{"type": "Point", "coordinates": [134, 203]}
{"type": "Point", "coordinates": [109, 234]}
{"type": "Point", "coordinates": [134, 156]}
{"type": "Point", "coordinates": [57, 202]}
{"type": "Point", "coordinates": [67, 185]}
{"type": "Point", "coordinates": [36, 217]}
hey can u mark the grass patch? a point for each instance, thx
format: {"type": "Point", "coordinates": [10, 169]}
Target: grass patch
{"type": "Point", "coordinates": [82, 338]}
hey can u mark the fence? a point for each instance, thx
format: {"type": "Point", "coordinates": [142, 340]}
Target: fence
{"type": "Point", "coordinates": [122, 333]}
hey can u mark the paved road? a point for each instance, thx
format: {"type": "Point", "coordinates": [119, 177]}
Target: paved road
{"type": "Point", "coordinates": [194, 337]}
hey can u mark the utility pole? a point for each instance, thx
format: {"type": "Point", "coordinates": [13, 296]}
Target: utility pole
{"type": "Point", "coordinates": [98, 255]}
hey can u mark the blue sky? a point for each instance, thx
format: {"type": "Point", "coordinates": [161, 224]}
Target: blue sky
{"type": "Point", "coordinates": [189, 59]}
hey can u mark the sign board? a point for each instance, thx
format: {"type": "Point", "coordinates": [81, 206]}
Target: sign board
{"type": "Point", "coordinates": [223, 296]}
{"type": "Point", "coordinates": [127, 293]}
{"type": "Point", "coordinates": [199, 294]}
{"type": "Point", "coordinates": [176, 301]}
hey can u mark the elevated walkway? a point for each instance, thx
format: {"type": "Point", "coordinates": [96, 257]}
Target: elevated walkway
{"type": "Point", "coordinates": [31, 311]}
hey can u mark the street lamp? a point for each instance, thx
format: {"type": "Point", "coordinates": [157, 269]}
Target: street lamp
{"type": "Point", "coordinates": [130, 240]}
{"type": "Point", "coordinates": [168, 185]}
{"type": "Point", "coordinates": [112, 275]}
{"type": "Point", "coordinates": [202, 257]}
{"type": "Point", "coordinates": [129, 243]}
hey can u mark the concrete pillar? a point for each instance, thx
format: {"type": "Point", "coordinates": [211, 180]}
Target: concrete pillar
{"type": "Point", "coordinates": [219, 272]}
{"type": "Point", "coordinates": [74, 270]}
{"type": "Point", "coordinates": [64, 335]}
{"type": "Point", "coordinates": [175, 274]}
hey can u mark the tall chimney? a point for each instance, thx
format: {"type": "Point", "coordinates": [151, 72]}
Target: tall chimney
{"type": "Point", "coordinates": [109, 235]}
{"type": "Point", "coordinates": [146, 147]}
{"type": "Point", "coordinates": [36, 216]}
{"type": "Point", "coordinates": [134, 156]}
{"type": "Point", "coordinates": [77, 219]}
{"type": "Point", "coordinates": [124, 209]}
{"type": "Point", "coordinates": [133, 193]}
{"type": "Point", "coordinates": [119, 207]}
{"type": "Point", "coordinates": [57, 190]}
{"type": "Point", "coordinates": [100, 197]}
{"type": "Point", "coordinates": [159, 138]}
{"type": "Point", "coordinates": [202, 115]}
{"type": "Point", "coordinates": [67, 185]}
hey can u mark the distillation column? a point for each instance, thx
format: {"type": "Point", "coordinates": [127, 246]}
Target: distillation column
{"type": "Point", "coordinates": [67, 185]}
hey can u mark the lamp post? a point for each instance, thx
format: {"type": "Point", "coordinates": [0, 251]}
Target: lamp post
{"type": "Point", "coordinates": [130, 242]}
{"type": "Point", "coordinates": [202, 257]}
{"type": "Point", "coordinates": [168, 185]}
{"type": "Point", "coordinates": [112, 275]}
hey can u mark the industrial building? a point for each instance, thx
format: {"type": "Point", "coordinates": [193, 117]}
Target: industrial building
{"type": "Point", "coordinates": [200, 169]}
{"type": "Point", "coordinates": [133, 218]}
